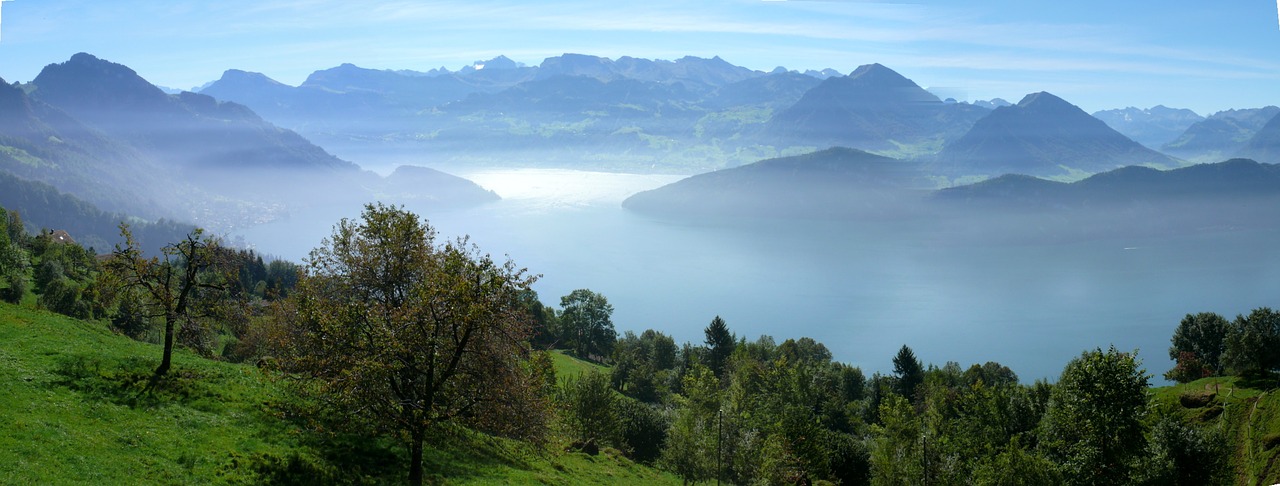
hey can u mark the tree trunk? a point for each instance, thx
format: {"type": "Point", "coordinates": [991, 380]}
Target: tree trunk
{"type": "Point", "coordinates": [168, 349]}
{"type": "Point", "coordinates": [415, 456]}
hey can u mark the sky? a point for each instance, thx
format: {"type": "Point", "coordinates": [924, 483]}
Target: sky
{"type": "Point", "coordinates": [1206, 56]}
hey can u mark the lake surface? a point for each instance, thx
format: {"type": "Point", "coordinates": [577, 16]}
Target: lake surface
{"type": "Point", "coordinates": [863, 290]}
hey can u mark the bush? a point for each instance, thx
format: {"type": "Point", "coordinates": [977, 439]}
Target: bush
{"type": "Point", "coordinates": [62, 295]}
{"type": "Point", "coordinates": [1196, 399]}
{"type": "Point", "coordinates": [643, 429]}
{"type": "Point", "coordinates": [16, 289]}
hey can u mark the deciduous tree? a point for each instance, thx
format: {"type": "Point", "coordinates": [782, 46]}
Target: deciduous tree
{"type": "Point", "coordinates": [1203, 335]}
{"type": "Point", "coordinates": [1253, 342]}
{"type": "Point", "coordinates": [167, 286]}
{"type": "Point", "coordinates": [408, 333]}
{"type": "Point", "coordinates": [1093, 427]}
{"type": "Point", "coordinates": [586, 320]}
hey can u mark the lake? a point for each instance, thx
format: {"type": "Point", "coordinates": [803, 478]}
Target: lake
{"type": "Point", "coordinates": [863, 290]}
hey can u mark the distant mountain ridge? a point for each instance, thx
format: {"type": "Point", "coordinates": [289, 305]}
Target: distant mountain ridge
{"type": "Point", "coordinates": [1264, 146]}
{"type": "Point", "coordinates": [1220, 135]}
{"type": "Point", "coordinates": [1231, 179]}
{"type": "Point", "coordinates": [834, 183]}
{"type": "Point", "coordinates": [1042, 135]}
{"type": "Point", "coordinates": [1152, 127]}
{"type": "Point", "coordinates": [630, 111]}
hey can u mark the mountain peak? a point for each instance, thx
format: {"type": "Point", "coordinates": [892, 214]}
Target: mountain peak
{"type": "Point", "coordinates": [1044, 99]}
{"type": "Point", "coordinates": [877, 73]}
{"type": "Point", "coordinates": [1042, 135]}
{"type": "Point", "coordinates": [236, 75]}
{"type": "Point", "coordinates": [92, 85]}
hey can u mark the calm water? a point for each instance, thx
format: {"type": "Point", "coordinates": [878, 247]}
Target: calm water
{"type": "Point", "coordinates": [863, 290]}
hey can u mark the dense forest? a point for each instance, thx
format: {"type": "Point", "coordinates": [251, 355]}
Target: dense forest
{"type": "Point", "coordinates": [391, 332]}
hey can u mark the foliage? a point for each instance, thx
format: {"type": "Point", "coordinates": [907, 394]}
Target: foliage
{"type": "Point", "coordinates": [719, 345]}
{"type": "Point", "coordinates": [642, 429]}
{"type": "Point", "coordinates": [1203, 335]}
{"type": "Point", "coordinates": [896, 453]}
{"type": "Point", "coordinates": [641, 364]}
{"type": "Point", "coordinates": [908, 371]}
{"type": "Point", "coordinates": [1179, 454]}
{"type": "Point", "coordinates": [1253, 343]}
{"type": "Point", "coordinates": [586, 321]}
{"type": "Point", "coordinates": [407, 333]}
{"type": "Point", "coordinates": [1016, 466]}
{"type": "Point", "coordinates": [1188, 367]}
{"type": "Point", "coordinates": [592, 408]}
{"type": "Point", "coordinates": [1093, 427]}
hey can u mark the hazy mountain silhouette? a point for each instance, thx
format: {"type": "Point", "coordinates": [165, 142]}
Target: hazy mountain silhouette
{"type": "Point", "coordinates": [1220, 135]}
{"type": "Point", "coordinates": [193, 132]}
{"type": "Point", "coordinates": [774, 90]}
{"type": "Point", "coordinates": [312, 108]}
{"type": "Point", "coordinates": [694, 72]}
{"type": "Point", "coordinates": [1265, 145]}
{"type": "Point", "coordinates": [1042, 135]}
{"type": "Point", "coordinates": [991, 104]}
{"type": "Point", "coordinates": [1152, 127]}
{"type": "Point", "coordinates": [41, 143]}
{"type": "Point", "coordinates": [401, 94]}
{"type": "Point", "coordinates": [1232, 179]}
{"type": "Point", "coordinates": [837, 182]}
{"type": "Point", "coordinates": [410, 182]}
{"type": "Point", "coordinates": [629, 111]}
{"type": "Point", "coordinates": [1129, 202]}
{"type": "Point", "coordinates": [43, 206]}
{"type": "Point", "coordinates": [157, 146]}
{"type": "Point", "coordinates": [873, 108]}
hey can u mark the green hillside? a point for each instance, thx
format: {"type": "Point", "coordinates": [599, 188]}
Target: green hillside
{"type": "Point", "coordinates": [72, 412]}
{"type": "Point", "coordinates": [1249, 418]}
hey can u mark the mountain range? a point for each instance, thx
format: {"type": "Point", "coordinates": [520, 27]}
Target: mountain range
{"type": "Point", "coordinates": [1152, 127]}
{"type": "Point", "coordinates": [96, 129]}
{"type": "Point", "coordinates": [695, 115]}
{"type": "Point", "coordinates": [1222, 134]}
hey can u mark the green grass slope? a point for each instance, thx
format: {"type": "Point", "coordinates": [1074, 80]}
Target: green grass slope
{"type": "Point", "coordinates": [1248, 411]}
{"type": "Point", "coordinates": [567, 366]}
{"type": "Point", "coordinates": [72, 411]}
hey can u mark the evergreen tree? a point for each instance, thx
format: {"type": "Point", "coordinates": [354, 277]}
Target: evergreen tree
{"type": "Point", "coordinates": [908, 371]}
{"type": "Point", "coordinates": [719, 345]}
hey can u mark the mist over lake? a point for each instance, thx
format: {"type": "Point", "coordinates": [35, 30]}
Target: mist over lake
{"type": "Point", "coordinates": [862, 289]}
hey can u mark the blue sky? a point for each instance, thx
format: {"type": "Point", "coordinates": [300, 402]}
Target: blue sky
{"type": "Point", "coordinates": [1207, 56]}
